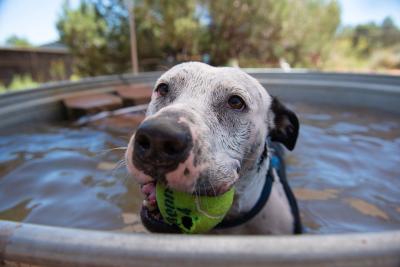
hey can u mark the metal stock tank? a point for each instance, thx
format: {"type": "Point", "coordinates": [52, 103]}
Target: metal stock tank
{"type": "Point", "coordinates": [40, 245]}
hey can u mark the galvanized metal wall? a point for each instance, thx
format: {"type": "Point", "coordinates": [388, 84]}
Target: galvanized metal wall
{"type": "Point", "coordinates": [52, 246]}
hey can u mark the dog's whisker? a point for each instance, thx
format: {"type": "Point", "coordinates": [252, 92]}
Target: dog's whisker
{"type": "Point", "coordinates": [196, 195]}
{"type": "Point", "coordinates": [125, 179]}
{"type": "Point", "coordinates": [213, 189]}
{"type": "Point", "coordinates": [211, 185]}
{"type": "Point", "coordinates": [118, 148]}
{"type": "Point", "coordinates": [124, 136]}
{"type": "Point", "coordinates": [204, 212]}
{"type": "Point", "coordinates": [105, 151]}
{"type": "Point", "coordinates": [206, 199]}
{"type": "Point", "coordinates": [118, 165]}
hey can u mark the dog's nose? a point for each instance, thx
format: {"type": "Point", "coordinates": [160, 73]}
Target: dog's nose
{"type": "Point", "coordinates": [162, 142]}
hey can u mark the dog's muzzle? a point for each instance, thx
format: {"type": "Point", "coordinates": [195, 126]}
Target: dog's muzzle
{"type": "Point", "coordinates": [160, 144]}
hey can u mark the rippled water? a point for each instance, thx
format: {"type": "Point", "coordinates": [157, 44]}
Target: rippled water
{"type": "Point", "coordinates": [345, 172]}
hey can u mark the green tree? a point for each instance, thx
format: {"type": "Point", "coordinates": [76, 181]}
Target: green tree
{"type": "Point", "coordinates": [97, 33]}
{"type": "Point", "coordinates": [168, 29]}
{"type": "Point", "coordinates": [307, 29]}
{"type": "Point", "coordinates": [253, 32]}
{"type": "Point", "coordinates": [16, 41]}
{"type": "Point", "coordinates": [390, 34]}
{"type": "Point", "coordinates": [232, 23]}
{"type": "Point", "coordinates": [367, 38]}
{"type": "Point", "coordinates": [265, 30]}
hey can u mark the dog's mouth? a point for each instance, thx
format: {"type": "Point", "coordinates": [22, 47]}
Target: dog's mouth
{"type": "Point", "coordinates": [150, 213]}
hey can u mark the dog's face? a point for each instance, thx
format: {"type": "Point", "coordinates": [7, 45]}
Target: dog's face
{"type": "Point", "coordinates": [204, 128]}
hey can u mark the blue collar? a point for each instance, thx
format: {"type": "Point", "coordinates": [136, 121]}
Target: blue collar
{"type": "Point", "coordinates": [265, 193]}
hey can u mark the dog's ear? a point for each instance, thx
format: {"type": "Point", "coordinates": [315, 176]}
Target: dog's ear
{"type": "Point", "coordinates": [284, 125]}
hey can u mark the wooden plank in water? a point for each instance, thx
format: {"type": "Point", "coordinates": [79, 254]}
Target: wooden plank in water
{"type": "Point", "coordinates": [135, 94]}
{"type": "Point", "coordinates": [91, 104]}
{"type": "Point", "coordinates": [125, 121]}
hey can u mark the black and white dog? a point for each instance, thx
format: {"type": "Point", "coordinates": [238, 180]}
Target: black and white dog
{"type": "Point", "coordinates": [208, 129]}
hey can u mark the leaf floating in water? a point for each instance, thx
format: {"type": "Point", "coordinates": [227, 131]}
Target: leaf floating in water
{"type": "Point", "coordinates": [310, 194]}
{"type": "Point", "coordinates": [367, 208]}
{"type": "Point", "coordinates": [309, 222]}
{"type": "Point", "coordinates": [106, 166]}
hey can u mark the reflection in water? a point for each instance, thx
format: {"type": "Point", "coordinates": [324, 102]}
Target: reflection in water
{"type": "Point", "coordinates": [344, 171]}
{"type": "Point", "coordinates": [366, 208]}
{"type": "Point", "coordinates": [309, 194]}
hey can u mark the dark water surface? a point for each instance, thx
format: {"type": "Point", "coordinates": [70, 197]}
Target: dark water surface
{"type": "Point", "coordinates": [345, 172]}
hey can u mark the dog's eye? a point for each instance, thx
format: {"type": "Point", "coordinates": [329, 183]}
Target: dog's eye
{"type": "Point", "coordinates": [162, 89]}
{"type": "Point", "coordinates": [236, 102]}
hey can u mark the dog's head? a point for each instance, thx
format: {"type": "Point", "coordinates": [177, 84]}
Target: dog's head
{"type": "Point", "coordinates": [205, 127]}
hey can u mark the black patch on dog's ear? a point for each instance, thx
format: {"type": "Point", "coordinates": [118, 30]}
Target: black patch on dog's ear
{"type": "Point", "coordinates": [286, 125]}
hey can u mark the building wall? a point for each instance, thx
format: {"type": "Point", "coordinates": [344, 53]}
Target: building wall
{"type": "Point", "coordinates": [42, 64]}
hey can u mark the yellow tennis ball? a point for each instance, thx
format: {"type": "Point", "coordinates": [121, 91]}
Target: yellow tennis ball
{"type": "Point", "coordinates": [192, 214]}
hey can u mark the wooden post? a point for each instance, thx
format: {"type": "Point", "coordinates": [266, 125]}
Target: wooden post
{"type": "Point", "coordinates": [135, 64]}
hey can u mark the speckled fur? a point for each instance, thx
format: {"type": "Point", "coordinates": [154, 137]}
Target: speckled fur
{"type": "Point", "coordinates": [227, 143]}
